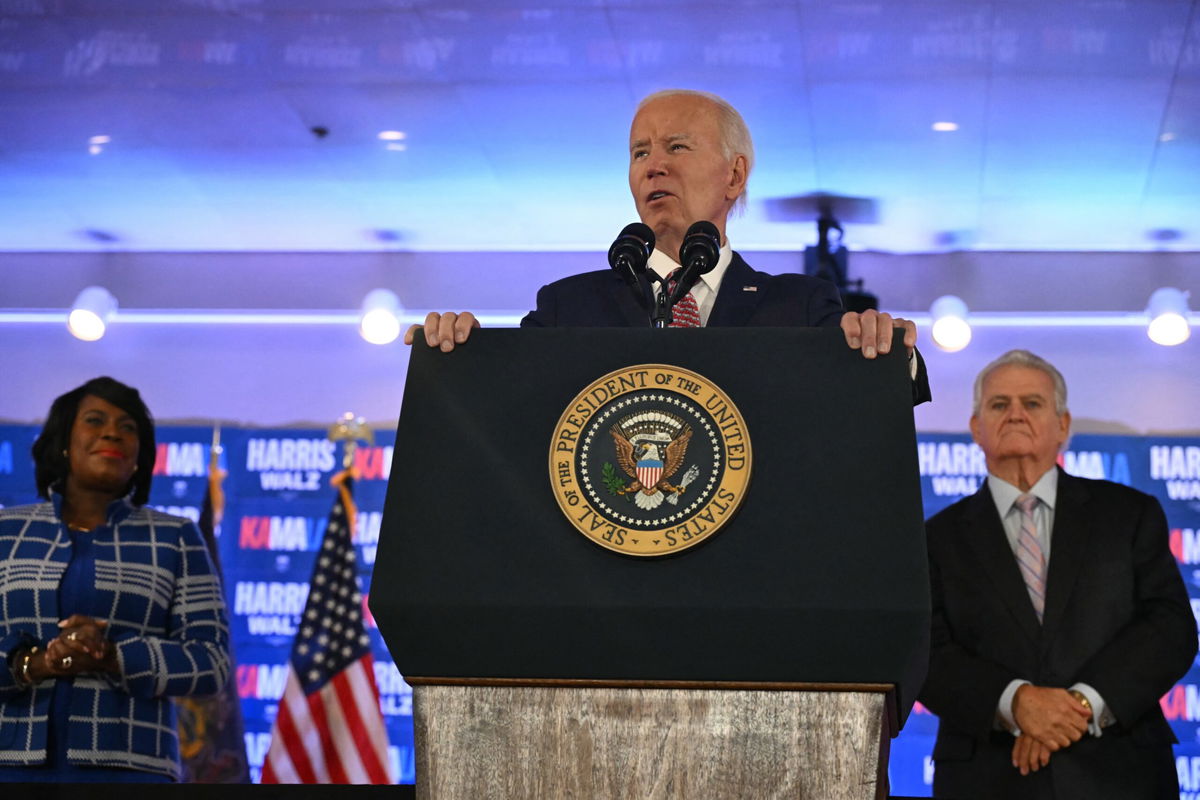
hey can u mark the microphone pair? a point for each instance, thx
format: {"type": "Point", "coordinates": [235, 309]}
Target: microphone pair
{"type": "Point", "coordinates": [698, 254]}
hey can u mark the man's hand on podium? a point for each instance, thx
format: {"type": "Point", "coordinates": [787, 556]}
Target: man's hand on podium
{"type": "Point", "coordinates": [445, 330]}
{"type": "Point", "coordinates": [871, 332]}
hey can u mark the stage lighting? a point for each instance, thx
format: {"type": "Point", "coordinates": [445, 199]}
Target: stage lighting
{"type": "Point", "coordinates": [1168, 312]}
{"type": "Point", "coordinates": [90, 314]}
{"type": "Point", "coordinates": [380, 321]}
{"type": "Point", "coordinates": [950, 330]}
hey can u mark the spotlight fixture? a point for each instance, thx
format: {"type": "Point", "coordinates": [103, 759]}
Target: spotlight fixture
{"type": "Point", "coordinates": [1168, 312]}
{"type": "Point", "coordinates": [950, 329]}
{"type": "Point", "coordinates": [380, 321]}
{"type": "Point", "coordinates": [91, 312]}
{"type": "Point", "coordinates": [829, 259]}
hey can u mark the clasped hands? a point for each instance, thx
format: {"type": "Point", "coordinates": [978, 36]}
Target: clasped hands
{"type": "Point", "coordinates": [81, 646]}
{"type": "Point", "coordinates": [1050, 720]}
{"type": "Point", "coordinates": [870, 331]}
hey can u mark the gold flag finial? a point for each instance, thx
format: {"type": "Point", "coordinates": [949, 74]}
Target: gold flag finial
{"type": "Point", "coordinates": [215, 453]}
{"type": "Point", "coordinates": [351, 430]}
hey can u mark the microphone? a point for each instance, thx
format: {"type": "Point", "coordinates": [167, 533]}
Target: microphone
{"type": "Point", "coordinates": [631, 250]}
{"type": "Point", "coordinates": [699, 253]}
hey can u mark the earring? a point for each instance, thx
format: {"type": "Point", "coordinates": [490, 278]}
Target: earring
{"type": "Point", "coordinates": [64, 453]}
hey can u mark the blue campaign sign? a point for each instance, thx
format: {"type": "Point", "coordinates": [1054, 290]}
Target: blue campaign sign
{"type": "Point", "coordinates": [182, 455]}
{"type": "Point", "coordinates": [16, 465]}
{"type": "Point", "coordinates": [951, 466]}
{"type": "Point", "coordinates": [279, 497]}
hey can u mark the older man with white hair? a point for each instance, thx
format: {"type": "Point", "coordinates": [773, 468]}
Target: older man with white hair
{"type": "Point", "coordinates": [1059, 615]}
{"type": "Point", "coordinates": [690, 158]}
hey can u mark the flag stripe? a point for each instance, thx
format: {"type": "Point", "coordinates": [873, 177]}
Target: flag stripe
{"type": "Point", "coordinates": [308, 734]}
{"type": "Point", "coordinates": [362, 682]}
{"type": "Point", "coordinates": [287, 751]}
{"type": "Point", "coordinates": [337, 772]}
{"type": "Point", "coordinates": [342, 723]}
{"type": "Point", "coordinates": [350, 688]}
{"type": "Point", "coordinates": [341, 736]}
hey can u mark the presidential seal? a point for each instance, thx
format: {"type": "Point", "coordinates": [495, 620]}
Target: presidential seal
{"type": "Point", "coordinates": [650, 460]}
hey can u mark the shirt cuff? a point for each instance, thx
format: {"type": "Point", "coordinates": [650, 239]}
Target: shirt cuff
{"type": "Point", "coordinates": [1004, 716]}
{"type": "Point", "coordinates": [1101, 716]}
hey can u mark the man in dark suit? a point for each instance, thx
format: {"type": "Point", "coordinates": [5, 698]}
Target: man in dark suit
{"type": "Point", "coordinates": [746, 297]}
{"type": "Point", "coordinates": [1059, 615]}
{"type": "Point", "coordinates": [690, 157]}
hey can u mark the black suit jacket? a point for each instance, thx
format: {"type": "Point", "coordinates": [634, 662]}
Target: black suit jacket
{"type": "Point", "coordinates": [1117, 617]}
{"type": "Point", "coordinates": [747, 298]}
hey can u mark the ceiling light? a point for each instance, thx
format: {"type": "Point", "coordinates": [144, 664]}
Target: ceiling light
{"type": "Point", "coordinates": [950, 330]}
{"type": "Point", "coordinates": [945, 127]}
{"type": "Point", "coordinates": [397, 146]}
{"type": "Point", "coordinates": [96, 144]}
{"type": "Point", "coordinates": [1168, 313]}
{"type": "Point", "coordinates": [380, 321]}
{"type": "Point", "coordinates": [1167, 137]}
{"type": "Point", "coordinates": [393, 136]}
{"type": "Point", "coordinates": [90, 314]}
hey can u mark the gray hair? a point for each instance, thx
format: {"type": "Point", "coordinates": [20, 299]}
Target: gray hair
{"type": "Point", "coordinates": [735, 136]}
{"type": "Point", "coordinates": [1023, 358]}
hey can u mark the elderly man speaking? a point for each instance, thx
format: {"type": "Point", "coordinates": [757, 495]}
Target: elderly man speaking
{"type": "Point", "coordinates": [690, 158]}
{"type": "Point", "coordinates": [1059, 615]}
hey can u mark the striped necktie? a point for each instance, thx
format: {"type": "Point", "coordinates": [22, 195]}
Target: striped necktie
{"type": "Point", "coordinates": [686, 313]}
{"type": "Point", "coordinates": [1030, 557]}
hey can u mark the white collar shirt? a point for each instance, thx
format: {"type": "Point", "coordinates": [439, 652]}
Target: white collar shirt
{"type": "Point", "coordinates": [1005, 495]}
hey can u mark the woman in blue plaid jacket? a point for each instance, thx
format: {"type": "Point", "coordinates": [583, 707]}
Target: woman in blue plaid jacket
{"type": "Point", "coordinates": [108, 608]}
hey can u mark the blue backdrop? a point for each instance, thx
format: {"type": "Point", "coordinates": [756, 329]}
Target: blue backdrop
{"type": "Point", "coordinates": [278, 497]}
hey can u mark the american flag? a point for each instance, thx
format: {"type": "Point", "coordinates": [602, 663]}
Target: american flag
{"type": "Point", "coordinates": [329, 728]}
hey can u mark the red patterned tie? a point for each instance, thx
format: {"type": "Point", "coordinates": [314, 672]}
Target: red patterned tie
{"type": "Point", "coordinates": [686, 313]}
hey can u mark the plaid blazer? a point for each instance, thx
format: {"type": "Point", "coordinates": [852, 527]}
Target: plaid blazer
{"type": "Point", "coordinates": [166, 619]}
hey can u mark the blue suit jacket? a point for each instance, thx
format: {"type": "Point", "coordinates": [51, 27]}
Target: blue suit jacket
{"type": "Point", "coordinates": [167, 623]}
{"type": "Point", "coordinates": [747, 298]}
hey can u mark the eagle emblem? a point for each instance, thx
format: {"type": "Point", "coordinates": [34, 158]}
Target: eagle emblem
{"type": "Point", "coordinates": [650, 447]}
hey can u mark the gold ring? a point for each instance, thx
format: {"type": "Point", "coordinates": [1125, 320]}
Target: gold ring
{"type": "Point", "coordinates": [65, 662]}
{"type": "Point", "coordinates": [73, 635]}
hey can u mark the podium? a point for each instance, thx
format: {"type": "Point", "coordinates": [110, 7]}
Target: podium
{"type": "Point", "coordinates": [774, 658]}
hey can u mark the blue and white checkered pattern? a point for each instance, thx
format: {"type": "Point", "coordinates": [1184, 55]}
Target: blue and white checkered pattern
{"type": "Point", "coordinates": [166, 617]}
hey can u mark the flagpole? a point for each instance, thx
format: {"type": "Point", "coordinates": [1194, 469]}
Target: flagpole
{"type": "Point", "coordinates": [211, 729]}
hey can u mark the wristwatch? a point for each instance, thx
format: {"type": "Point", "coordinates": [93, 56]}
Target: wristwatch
{"type": "Point", "coordinates": [1082, 698]}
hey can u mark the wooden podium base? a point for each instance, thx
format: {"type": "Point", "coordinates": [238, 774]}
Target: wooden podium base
{"type": "Point", "coordinates": [603, 739]}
